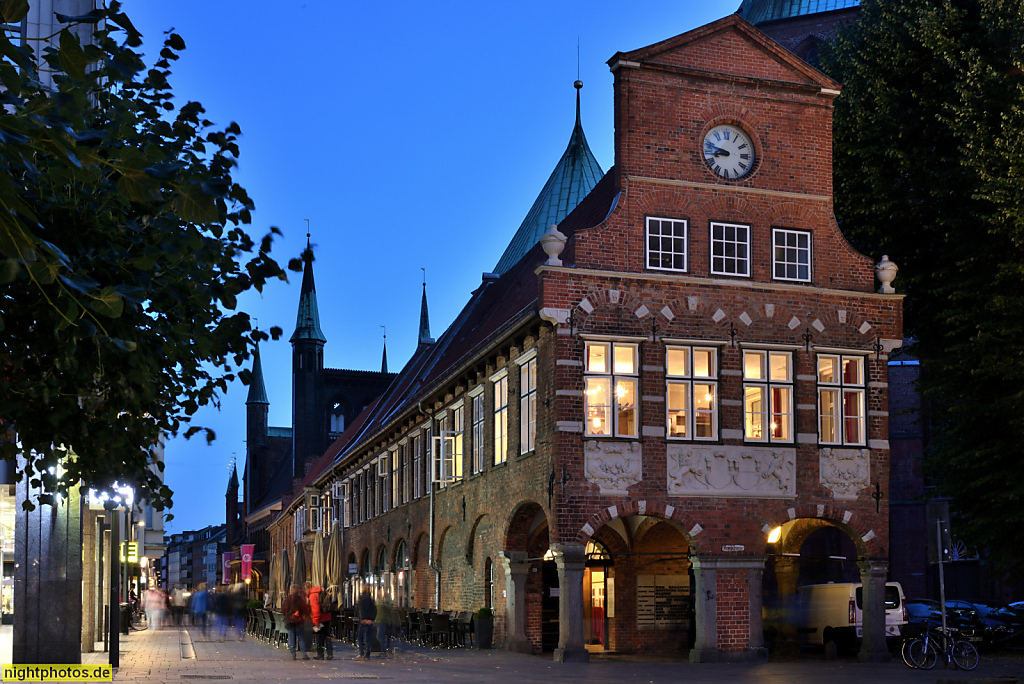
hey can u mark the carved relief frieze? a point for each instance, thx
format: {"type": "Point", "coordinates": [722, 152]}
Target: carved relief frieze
{"type": "Point", "coordinates": [731, 470]}
{"type": "Point", "coordinates": [613, 466]}
{"type": "Point", "coordinates": [845, 471]}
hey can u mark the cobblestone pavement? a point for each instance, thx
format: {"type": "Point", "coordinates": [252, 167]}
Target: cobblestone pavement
{"type": "Point", "coordinates": [183, 655]}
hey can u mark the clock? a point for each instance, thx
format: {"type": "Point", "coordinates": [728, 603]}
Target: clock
{"type": "Point", "coordinates": [728, 151]}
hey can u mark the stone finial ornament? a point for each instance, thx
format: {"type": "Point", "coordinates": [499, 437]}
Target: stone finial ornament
{"type": "Point", "coordinates": [886, 271]}
{"type": "Point", "coordinates": [553, 242]}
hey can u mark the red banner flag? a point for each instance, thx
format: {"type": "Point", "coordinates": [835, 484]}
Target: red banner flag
{"type": "Point", "coordinates": [247, 550]}
{"type": "Point", "coordinates": [226, 566]}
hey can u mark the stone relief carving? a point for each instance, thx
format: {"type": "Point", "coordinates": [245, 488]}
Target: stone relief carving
{"type": "Point", "coordinates": [729, 470]}
{"type": "Point", "coordinates": [844, 471]}
{"type": "Point", "coordinates": [613, 466]}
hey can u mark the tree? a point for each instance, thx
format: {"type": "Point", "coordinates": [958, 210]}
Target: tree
{"type": "Point", "coordinates": [122, 255]}
{"type": "Point", "coordinates": [929, 169]}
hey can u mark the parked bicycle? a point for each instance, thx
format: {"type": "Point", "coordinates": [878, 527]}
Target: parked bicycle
{"type": "Point", "coordinates": [924, 652]}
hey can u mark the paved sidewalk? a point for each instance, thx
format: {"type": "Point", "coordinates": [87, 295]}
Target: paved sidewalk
{"type": "Point", "coordinates": [152, 657]}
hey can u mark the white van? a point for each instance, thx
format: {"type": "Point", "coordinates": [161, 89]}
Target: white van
{"type": "Point", "coordinates": [834, 612]}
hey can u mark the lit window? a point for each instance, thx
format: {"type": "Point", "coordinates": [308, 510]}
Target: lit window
{"type": "Point", "coordinates": [478, 432]}
{"type": "Point", "coordinates": [395, 490]}
{"type": "Point", "coordinates": [500, 419]}
{"type": "Point", "coordinates": [791, 255]}
{"type": "Point", "coordinates": [666, 244]}
{"type": "Point", "coordinates": [528, 406]}
{"type": "Point", "coordinates": [459, 429]}
{"type": "Point", "coordinates": [730, 249]}
{"type": "Point", "coordinates": [768, 396]}
{"type": "Point", "coordinates": [841, 408]}
{"type": "Point", "coordinates": [692, 396]}
{"type": "Point", "coordinates": [610, 396]}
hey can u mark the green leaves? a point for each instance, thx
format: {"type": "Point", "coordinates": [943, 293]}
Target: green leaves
{"type": "Point", "coordinates": [117, 258]}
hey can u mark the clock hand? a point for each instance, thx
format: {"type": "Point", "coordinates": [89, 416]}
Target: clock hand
{"type": "Point", "coordinates": [719, 152]}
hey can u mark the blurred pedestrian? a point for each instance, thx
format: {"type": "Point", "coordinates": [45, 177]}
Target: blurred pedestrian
{"type": "Point", "coordinates": [178, 601]}
{"type": "Point", "coordinates": [320, 612]}
{"type": "Point", "coordinates": [153, 603]}
{"type": "Point", "coordinates": [296, 613]}
{"type": "Point", "coordinates": [200, 605]}
{"type": "Point", "coordinates": [367, 613]}
{"type": "Point", "coordinates": [383, 621]}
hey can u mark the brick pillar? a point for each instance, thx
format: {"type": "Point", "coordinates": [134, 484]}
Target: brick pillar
{"type": "Point", "coordinates": [872, 577]}
{"type": "Point", "coordinates": [516, 572]}
{"type": "Point", "coordinates": [571, 560]}
{"type": "Point", "coordinates": [732, 583]}
{"type": "Point", "coordinates": [787, 571]}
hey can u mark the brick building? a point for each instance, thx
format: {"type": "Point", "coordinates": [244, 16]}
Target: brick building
{"type": "Point", "coordinates": [626, 439]}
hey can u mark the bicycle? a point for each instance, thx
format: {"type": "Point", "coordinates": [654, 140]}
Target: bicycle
{"type": "Point", "coordinates": [923, 652]}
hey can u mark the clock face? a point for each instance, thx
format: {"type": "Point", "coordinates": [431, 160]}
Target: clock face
{"type": "Point", "coordinates": [728, 151]}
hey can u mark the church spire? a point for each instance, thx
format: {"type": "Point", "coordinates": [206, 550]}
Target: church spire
{"type": "Point", "coordinates": [233, 480]}
{"type": "Point", "coordinates": [425, 337]}
{"type": "Point", "coordinates": [307, 323]}
{"type": "Point", "coordinates": [257, 388]}
{"type": "Point", "coordinates": [574, 176]}
{"type": "Point", "coordinates": [384, 359]}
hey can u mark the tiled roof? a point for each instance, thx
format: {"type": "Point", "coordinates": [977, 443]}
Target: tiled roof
{"type": "Point", "coordinates": [758, 11]}
{"type": "Point", "coordinates": [575, 175]}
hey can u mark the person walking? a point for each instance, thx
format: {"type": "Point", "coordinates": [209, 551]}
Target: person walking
{"type": "Point", "coordinates": [178, 601]}
{"type": "Point", "coordinates": [200, 604]}
{"type": "Point", "coordinates": [319, 610]}
{"type": "Point", "coordinates": [154, 605]}
{"type": "Point", "coordinates": [296, 612]}
{"type": "Point", "coordinates": [383, 621]}
{"type": "Point", "coordinates": [367, 613]}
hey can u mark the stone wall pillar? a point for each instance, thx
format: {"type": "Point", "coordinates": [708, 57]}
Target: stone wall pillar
{"type": "Point", "coordinates": [872, 577]}
{"type": "Point", "coordinates": [571, 560]}
{"type": "Point", "coordinates": [47, 578]}
{"type": "Point", "coordinates": [516, 571]}
{"type": "Point", "coordinates": [730, 581]}
{"type": "Point", "coordinates": [88, 582]}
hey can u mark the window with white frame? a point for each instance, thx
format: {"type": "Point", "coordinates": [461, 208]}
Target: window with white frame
{"type": "Point", "coordinates": [611, 384]}
{"type": "Point", "coordinates": [382, 484]}
{"type": "Point", "coordinates": [406, 481]}
{"type": "Point", "coordinates": [417, 466]}
{"type": "Point", "coordinates": [767, 396]}
{"type": "Point", "coordinates": [314, 512]}
{"type": "Point", "coordinates": [395, 491]}
{"type": "Point", "coordinates": [692, 393]}
{"type": "Point", "coordinates": [841, 407]}
{"type": "Point", "coordinates": [326, 513]}
{"type": "Point", "coordinates": [478, 430]}
{"type": "Point", "coordinates": [730, 249]}
{"type": "Point", "coordinates": [459, 430]}
{"type": "Point", "coordinates": [500, 385]}
{"type": "Point", "coordinates": [791, 255]}
{"type": "Point", "coordinates": [667, 244]}
{"type": "Point", "coordinates": [528, 405]}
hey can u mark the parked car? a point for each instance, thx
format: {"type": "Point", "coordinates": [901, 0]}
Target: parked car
{"type": "Point", "coordinates": [1003, 623]}
{"type": "Point", "coordinates": [924, 614]}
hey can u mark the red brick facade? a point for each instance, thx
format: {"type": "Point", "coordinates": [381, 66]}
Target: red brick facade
{"type": "Point", "coordinates": [677, 518]}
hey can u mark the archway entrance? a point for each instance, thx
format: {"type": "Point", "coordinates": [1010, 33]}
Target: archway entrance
{"type": "Point", "coordinates": [637, 590]}
{"type": "Point", "coordinates": [532, 591]}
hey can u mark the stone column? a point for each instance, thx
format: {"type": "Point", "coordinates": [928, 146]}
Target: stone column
{"type": "Point", "coordinates": [787, 571]}
{"type": "Point", "coordinates": [517, 569]}
{"type": "Point", "coordinates": [872, 577]}
{"type": "Point", "coordinates": [88, 582]}
{"type": "Point", "coordinates": [571, 560]}
{"type": "Point", "coordinates": [742, 584]}
{"type": "Point", "coordinates": [47, 578]}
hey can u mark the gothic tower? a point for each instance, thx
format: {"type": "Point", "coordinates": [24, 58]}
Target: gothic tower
{"type": "Point", "coordinates": [309, 418]}
{"type": "Point", "coordinates": [257, 410]}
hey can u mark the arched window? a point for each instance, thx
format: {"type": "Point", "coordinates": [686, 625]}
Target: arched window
{"type": "Point", "coordinates": [597, 554]}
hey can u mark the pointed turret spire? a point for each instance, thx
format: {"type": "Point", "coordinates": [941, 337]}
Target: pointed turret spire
{"type": "Point", "coordinates": [425, 337]}
{"type": "Point", "coordinates": [575, 175]}
{"type": "Point", "coordinates": [257, 388]}
{"type": "Point", "coordinates": [307, 323]}
{"type": "Point", "coordinates": [233, 480]}
{"type": "Point", "coordinates": [384, 359]}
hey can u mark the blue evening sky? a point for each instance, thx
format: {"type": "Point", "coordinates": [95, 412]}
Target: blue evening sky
{"type": "Point", "coordinates": [411, 135]}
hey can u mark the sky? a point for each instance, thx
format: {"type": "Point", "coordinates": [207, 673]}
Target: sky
{"type": "Point", "coordinates": [410, 135]}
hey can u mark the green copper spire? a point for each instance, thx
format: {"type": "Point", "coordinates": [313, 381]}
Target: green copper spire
{"type": "Point", "coordinates": [575, 175]}
{"type": "Point", "coordinates": [307, 323]}
{"type": "Point", "coordinates": [257, 390]}
{"type": "Point", "coordinates": [759, 11]}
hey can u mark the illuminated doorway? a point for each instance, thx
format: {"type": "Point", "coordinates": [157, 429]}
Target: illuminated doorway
{"type": "Point", "coordinates": [598, 595]}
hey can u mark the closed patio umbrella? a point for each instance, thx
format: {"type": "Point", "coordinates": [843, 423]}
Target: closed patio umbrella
{"type": "Point", "coordinates": [272, 581]}
{"type": "Point", "coordinates": [316, 567]}
{"type": "Point", "coordinates": [334, 568]}
{"type": "Point", "coordinates": [299, 571]}
{"type": "Point", "coordinates": [283, 580]}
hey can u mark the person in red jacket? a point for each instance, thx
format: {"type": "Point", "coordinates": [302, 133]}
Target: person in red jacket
{"type": "Point", "coordinates": [296, 612]}
{"type": "Point", "coordinates": [321, 623]}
